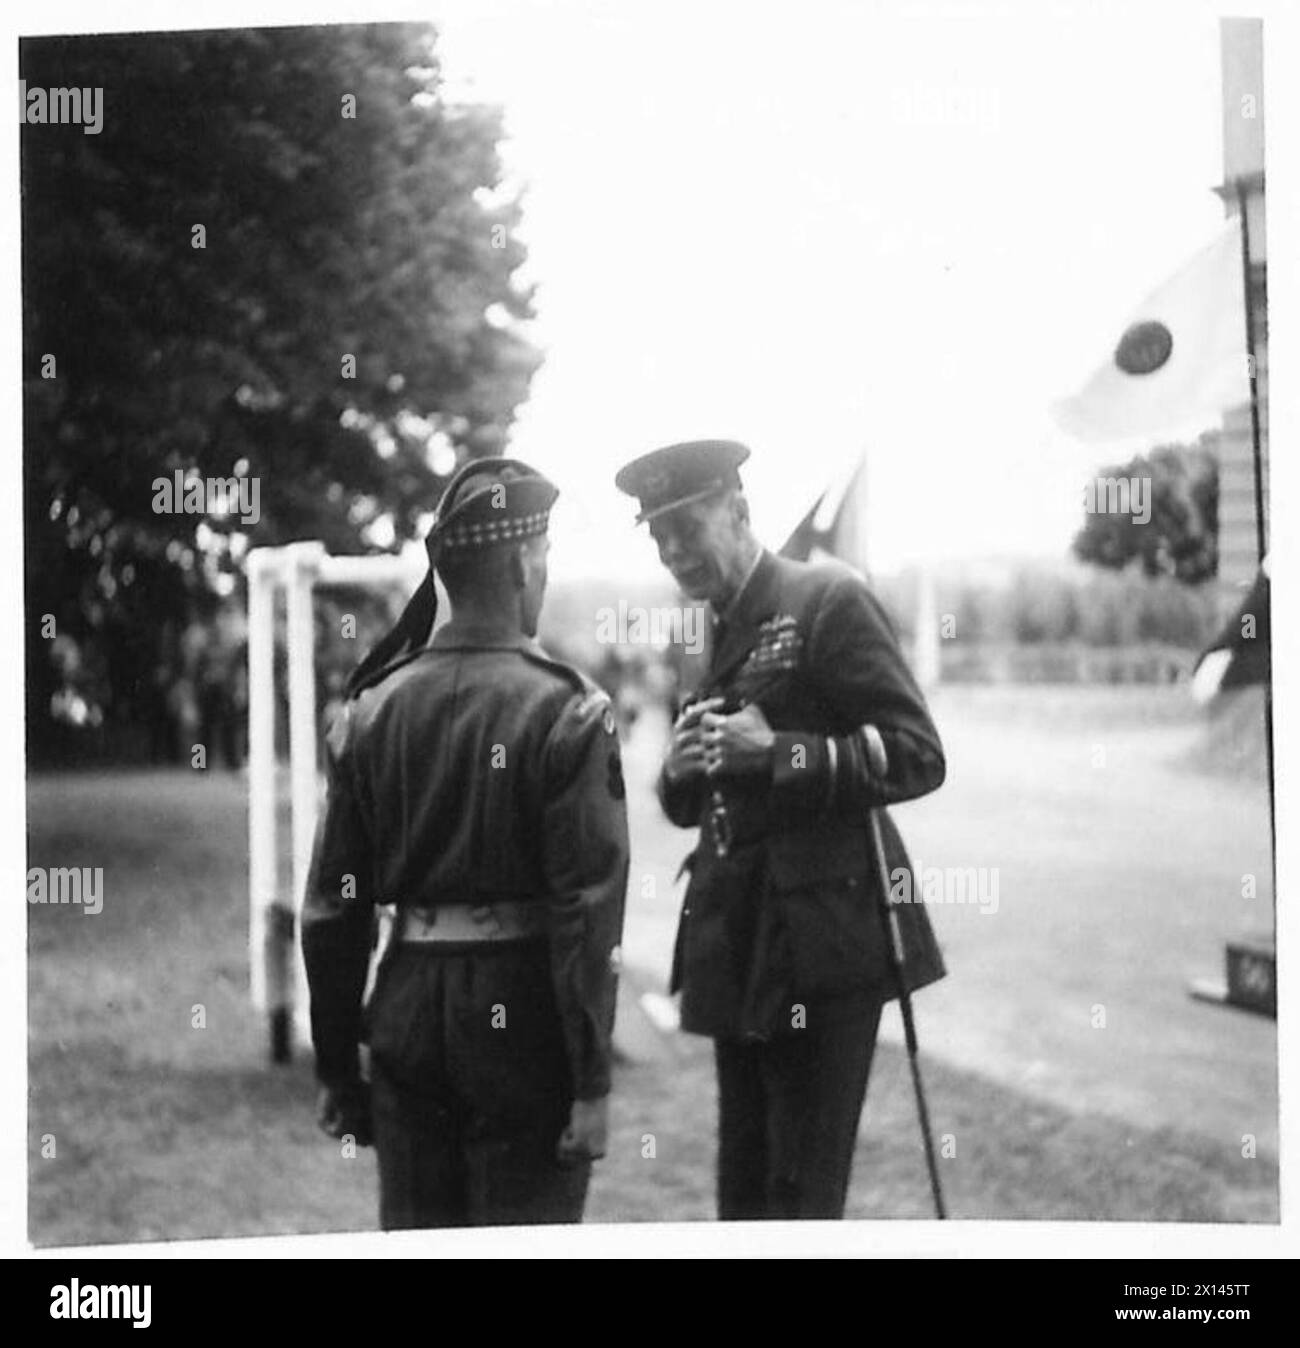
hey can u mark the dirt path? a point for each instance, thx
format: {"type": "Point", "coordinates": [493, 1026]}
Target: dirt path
{"type": "Point", "coordinates": [1119, 874]}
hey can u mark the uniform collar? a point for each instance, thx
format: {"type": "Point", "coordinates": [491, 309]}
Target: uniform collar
{"type": "Point", "coordinates": [753, 604]}
{"type": "Point", "coordinates": [738, 601]}
{"type": "Point", "coordinates": [481, 636]}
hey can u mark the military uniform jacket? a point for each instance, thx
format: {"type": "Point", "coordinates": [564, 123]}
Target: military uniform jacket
{"type": "Point", "coordinates": [789, 915]}
{"type": "Point", "coordinates": [477, 770]}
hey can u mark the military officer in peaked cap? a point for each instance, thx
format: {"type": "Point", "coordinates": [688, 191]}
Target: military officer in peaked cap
{"type": "Point", "coordinates": [806, 719]}
{"type": "Point", "coordinates": [475, 784]}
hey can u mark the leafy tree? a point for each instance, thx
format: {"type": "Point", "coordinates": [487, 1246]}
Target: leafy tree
{"type": "Point", "coordinates": [258, 207]}
{"type": "Point", "coordinates": [1180, 538]}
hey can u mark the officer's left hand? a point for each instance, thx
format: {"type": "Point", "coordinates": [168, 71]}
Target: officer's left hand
{"type": "Point", "coordinates": [588, 1131]}
{"type": "Point", "coordinates": [344, 1111]}
{"type": "Point", "coordinates": [737, 744]}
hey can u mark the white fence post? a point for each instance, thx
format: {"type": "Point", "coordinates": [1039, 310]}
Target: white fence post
{"type": "Point", "coordinates": [927, 661]}
{"type": "Point", "coordinates": [303, 561]}
{"type": "Point", "coordinates": [277, 975]}
{"type": "Point", "coordinates": [262, 861]}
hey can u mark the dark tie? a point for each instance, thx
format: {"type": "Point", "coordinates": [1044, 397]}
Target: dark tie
{"type": "Point", "coordinates": [719, 636]}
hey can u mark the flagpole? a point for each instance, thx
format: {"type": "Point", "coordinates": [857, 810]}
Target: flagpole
{"type": "Point", "coordinates": [1240, 185]}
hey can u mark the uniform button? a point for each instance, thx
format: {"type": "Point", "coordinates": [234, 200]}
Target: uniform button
{"type": "Point", "coordinates": [616, 958]}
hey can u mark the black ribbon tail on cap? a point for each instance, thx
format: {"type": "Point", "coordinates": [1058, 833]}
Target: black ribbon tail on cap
{"type": "Point", "coordinates": [409, 633]}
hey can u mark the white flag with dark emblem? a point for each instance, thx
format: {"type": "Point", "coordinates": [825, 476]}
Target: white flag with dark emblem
{"type": "Point", "coordinates": [1180, 362]}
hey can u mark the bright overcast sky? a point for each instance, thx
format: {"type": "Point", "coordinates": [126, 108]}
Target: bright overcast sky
{"type": "Point", "coordinates": [820, 228]}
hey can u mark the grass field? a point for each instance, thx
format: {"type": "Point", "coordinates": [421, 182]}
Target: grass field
{"type": "Point", "coordinates": [1114, 878]}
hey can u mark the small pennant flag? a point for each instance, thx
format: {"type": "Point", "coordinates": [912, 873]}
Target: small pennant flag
{"type": "Point", "coordinates": [1180, 362]}
{"type": "Point", "coordinates": [834, 525]}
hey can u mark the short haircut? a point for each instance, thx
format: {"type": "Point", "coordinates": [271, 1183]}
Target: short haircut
{"type": "Point", "coordinates": [468, 571]}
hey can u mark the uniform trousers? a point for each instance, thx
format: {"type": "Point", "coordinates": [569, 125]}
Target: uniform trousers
{"type": "Point", "coordinates": [788, 1112]}
{"type": "Point", "coordinates": [470, 1088]}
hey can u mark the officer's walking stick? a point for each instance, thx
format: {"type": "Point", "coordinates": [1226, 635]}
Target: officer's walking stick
{"type": "Point", "coordinates": [894, 949]}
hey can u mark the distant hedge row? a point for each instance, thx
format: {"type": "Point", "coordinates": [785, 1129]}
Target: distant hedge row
{"type": "Point", "coordinates": [1065, 662]}
{"type": "Point", "coordinates": [1064, 610]}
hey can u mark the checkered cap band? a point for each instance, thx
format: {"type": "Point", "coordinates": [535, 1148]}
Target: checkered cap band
{"type": "Point", "coordinates": [482, 534]}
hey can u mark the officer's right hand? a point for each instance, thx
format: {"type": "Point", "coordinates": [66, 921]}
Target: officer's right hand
{"type": "Point", "coordinates": [685, 760]}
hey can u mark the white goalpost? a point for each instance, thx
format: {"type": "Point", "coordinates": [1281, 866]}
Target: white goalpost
{"type": "Point", "coordinates": [277, 978]}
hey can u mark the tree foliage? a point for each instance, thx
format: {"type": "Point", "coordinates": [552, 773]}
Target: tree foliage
{"type": "Point", "coordinates": [384, 236]}
{"type": "Point", "coordinates": [1180, 538]}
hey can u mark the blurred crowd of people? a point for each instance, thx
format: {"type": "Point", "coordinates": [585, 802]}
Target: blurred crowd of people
{"type": "Point", "coordinates": [205, 696]}
{"type": "Point", "coordinates": [195, 692]}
